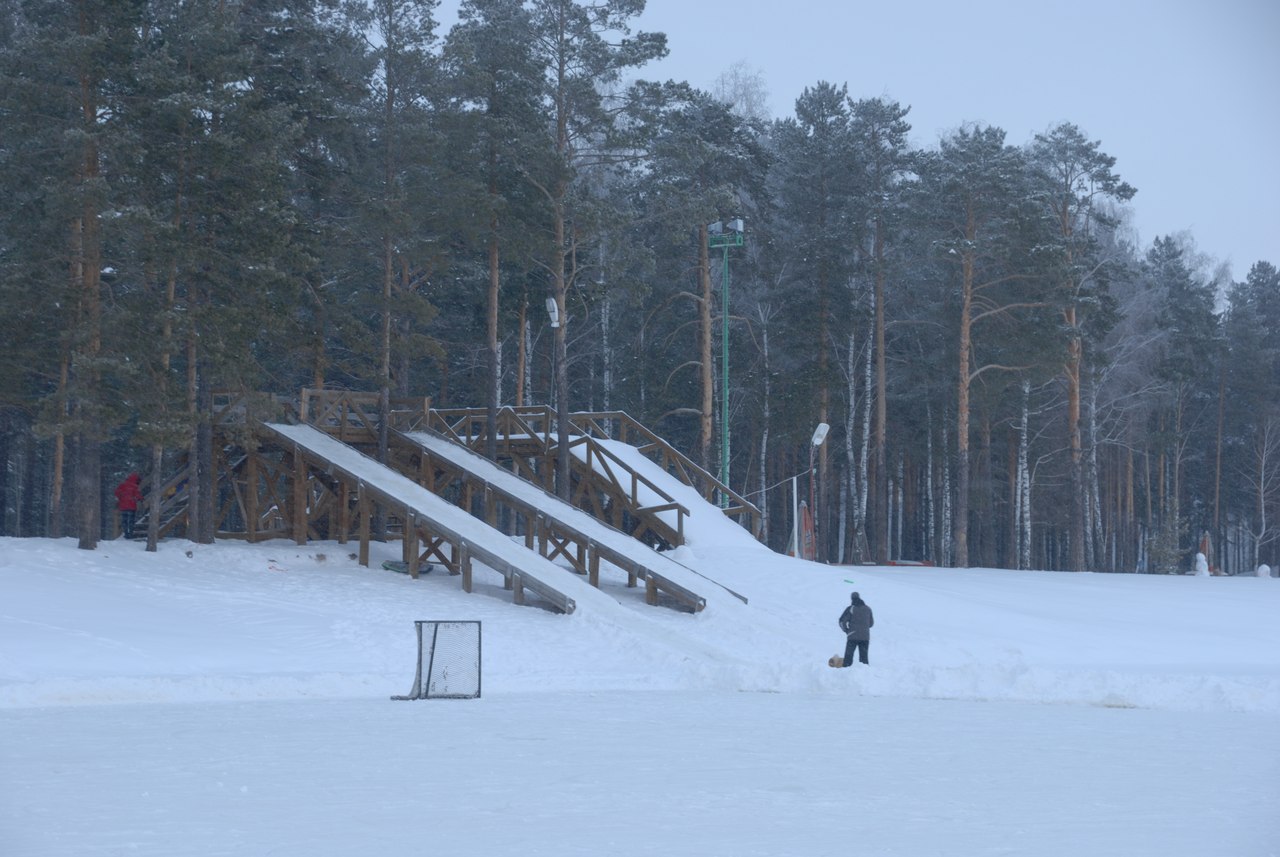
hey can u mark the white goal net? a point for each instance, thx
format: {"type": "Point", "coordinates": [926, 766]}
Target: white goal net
{"type": "Point", "coordinates": [448, 660]}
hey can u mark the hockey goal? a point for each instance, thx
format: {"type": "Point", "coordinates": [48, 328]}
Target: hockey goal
{"type": "Point", "coordinates": [448, 660]}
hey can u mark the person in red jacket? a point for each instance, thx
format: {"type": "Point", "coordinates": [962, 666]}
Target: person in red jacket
{"type": "Point", "coordinates": [128, 496]}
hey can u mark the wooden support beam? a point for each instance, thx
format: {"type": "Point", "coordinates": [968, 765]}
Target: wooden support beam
{"type": "Point", "coordinates": [426, 473]}
{"type": "Point", "coordinates": [517, 589]}
{"type": "Point", "coordinates": [251, 496]}
{"type": "Point", "coordinates": [410, 543]}
{"type": "Point", "coordinates": [650, 592]}
{"type": "Point", "coordinates": [299, 498]}
{"type": "Point", "coordinates": [344, 512]}
{"type": "Point", "coordinates": [364, 513]}
{"type": "Point", "coordinates": [466, 572]}
{"type": "Point", "coordinates": [434, 546]}
{"type": "Point", "coordinates": [593, 573]}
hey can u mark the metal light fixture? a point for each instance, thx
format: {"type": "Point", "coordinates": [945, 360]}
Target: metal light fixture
{"type": "Point", "coordinates": [819, 435]}
{"type": "Point", "coordinates": [553, 310]}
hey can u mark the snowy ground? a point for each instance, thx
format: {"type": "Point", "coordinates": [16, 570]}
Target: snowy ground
{"type": "Point", "coordinates": [234, 699]}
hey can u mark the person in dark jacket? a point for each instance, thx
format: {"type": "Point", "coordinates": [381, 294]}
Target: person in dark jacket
{"type": "Point", "coordinates": [856, 622]}
{"type": "Point", "coordinates": [128, 496]}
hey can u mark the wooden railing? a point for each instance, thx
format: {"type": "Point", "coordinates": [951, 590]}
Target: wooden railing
{"type": "Point", "coordinates": [531, 432]}
{"type": "Point", "coordinates": [671, 460]}
{"type": "Point", "coordinates": [526, 431]}
{"type": "Point", "coordinates": [546, 529]}
{"type": "Point", "coordinates": [536, 425]}
{"type": "Point", "coordinates": [354, 416]}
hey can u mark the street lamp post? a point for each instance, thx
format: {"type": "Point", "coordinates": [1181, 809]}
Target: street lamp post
{"type": "Point", "coordinates": [553, 312]}
{"type": "Point", "coordinates": [724, 236]}
{"type": "Point", "coordinates": [819, 435]}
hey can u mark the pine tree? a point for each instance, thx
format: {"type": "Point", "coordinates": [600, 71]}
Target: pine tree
{"type": "Point", "coordinates": [401, 161]}
{"type": "Point", "coordinates": [972, 191]}
{"type": "Point", "coordinates": [1188, 363]}
{"type": "Point", "coordinates": [880, 130]}
{"type": "Point", "coordinates": [65, 69]}
{"type": "Point", "coordinates": [1252, 411]}
{"type": "Point", "coordinates": [703, 165]}
{"type": "Point", "coordinates": [1077, 180]}
{"type": "Point", "coordinates": [814, 188]}
{"type": "Point", "coordinates": [492, 70]}
{"type": "Point", "coordinates": [582, 49]}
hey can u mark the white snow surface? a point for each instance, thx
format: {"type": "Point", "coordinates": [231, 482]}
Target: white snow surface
{"type": "Point", "coordinates": [235, 699]}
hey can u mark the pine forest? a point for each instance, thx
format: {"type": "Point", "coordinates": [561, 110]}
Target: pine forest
{"type": "Point", "coordinates": [272, 195]}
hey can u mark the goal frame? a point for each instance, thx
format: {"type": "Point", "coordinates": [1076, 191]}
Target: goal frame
{"type": "Point", "coordinates": [425, 673]}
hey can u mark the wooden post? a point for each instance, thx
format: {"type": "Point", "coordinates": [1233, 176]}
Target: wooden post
{"type": "Point", "coordinates": [465, 562]}
{"type": "Point", "coordinates": [409, 543]}
{"type": "Point", "coordinates": [517, 586]}
{"type": "Point", "coordinates": [363, 511]}
{"type": "Point", "coordinates": [593, 575]}
{"type": "Point", "coordinates": [415, 564]}
{"type": "Point", "coordinates": [299, 498]}
{"type": "Point", "coordinates": [251, 496]}
{"type": "Point", "coordinates": [650, 591]}
{"type": "Point", "coordinates": [344, 512]}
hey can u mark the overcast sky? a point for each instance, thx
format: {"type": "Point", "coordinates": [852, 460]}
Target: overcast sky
{"type": "Point", "coordinates": [1185, 94]}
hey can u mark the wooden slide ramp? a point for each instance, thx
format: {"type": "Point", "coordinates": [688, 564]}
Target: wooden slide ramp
{"type": "Point", "coordinates": [430, 519]}
{"type": "Point", "coordinates": [554, 527]}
